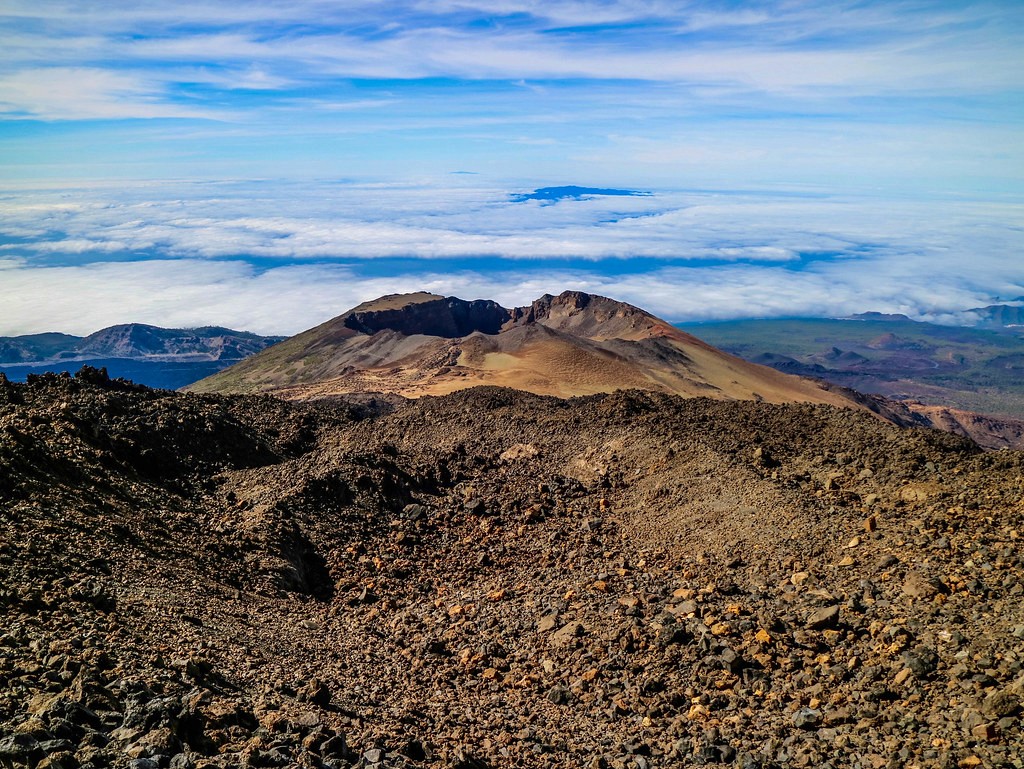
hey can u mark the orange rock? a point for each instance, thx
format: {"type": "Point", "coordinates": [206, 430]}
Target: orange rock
{"type": "Point", "coordinates": [491, 674]}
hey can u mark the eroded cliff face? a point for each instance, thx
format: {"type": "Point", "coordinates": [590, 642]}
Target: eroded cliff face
{"type": "Point", "coordinates": [446, 317]}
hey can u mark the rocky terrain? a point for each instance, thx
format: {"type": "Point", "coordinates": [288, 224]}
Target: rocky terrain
{"type": "Point", "coordinates": [497, 579]}
{"type": "Point", "coordinates": [987, 431]}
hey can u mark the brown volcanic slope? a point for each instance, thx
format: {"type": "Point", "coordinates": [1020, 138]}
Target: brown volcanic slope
{"type": "Point", "coordinates": [492, 579]}
{"type": "Point", "coordinates": [572, 344]}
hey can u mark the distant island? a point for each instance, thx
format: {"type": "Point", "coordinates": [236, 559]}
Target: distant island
{"type": "Point", "coordinates": [572, 192]}
{"type": "Point", "coordinates": [159, 357]}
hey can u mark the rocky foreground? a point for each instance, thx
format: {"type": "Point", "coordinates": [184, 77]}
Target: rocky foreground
{"type": "Point", "coordinates": [497, 579]}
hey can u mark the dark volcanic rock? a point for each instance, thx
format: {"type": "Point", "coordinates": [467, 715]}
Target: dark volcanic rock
{"type": "Point", "coordinates": [823, 618]}
{"type": "Point", "coordinates": [446, 317]}
{"type": "Point", "coordinates": [200, 581]}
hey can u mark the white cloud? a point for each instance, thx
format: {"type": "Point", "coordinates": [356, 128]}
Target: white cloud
{"type": "Point", "coordinates": [252, 78]}
{"type": "Point", "coordinates": [777, 47]}
{"type": "Point", "coordinates": [290, 299]}
{"type": "Point", "coordinates": [86, 93]}
{"type": "Point", "coordinates": [367, 222]}
{"type": "Point", "coordinates": [859, 92]}
{"type": "Point", "coordinates": [188, 293]}
{"type": "Point", "coordinates": [303, 254]}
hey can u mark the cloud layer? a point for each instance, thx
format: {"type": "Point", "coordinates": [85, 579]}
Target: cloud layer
{"type": "Point", "coordinates": [768, 46]}
{"type": "Point", "coordinates": [806, 158]}
{"type": "Point", "coordinates": [278, 261]}
{"type": "Point", "coordinates": [923, 94]}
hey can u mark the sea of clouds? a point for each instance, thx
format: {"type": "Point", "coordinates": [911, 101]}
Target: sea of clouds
{"type": "Point", "coordinates": [276, 257]}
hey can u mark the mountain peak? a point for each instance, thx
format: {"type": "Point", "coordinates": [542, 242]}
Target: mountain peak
{"type": "Point", "coordinates": [573, 343]}
{"type": "Point", "coordinates": [593, 316]}
{"type": "Point", "coordinates": [573, 301]}
{"type": "Point", "coordinates": [396, 301]}
{"type": "Point", "coordinates": [879, 316]}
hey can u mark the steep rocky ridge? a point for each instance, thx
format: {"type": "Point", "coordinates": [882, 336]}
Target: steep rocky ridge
{"type": "Point", "coordinates": [497, 579]}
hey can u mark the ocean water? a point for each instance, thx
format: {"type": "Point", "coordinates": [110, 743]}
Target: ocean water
{"type": "Point", "coordinates": [166, 376]}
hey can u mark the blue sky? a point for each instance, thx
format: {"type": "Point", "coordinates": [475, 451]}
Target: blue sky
{"type": "Point", "coordinates": [267, 164]}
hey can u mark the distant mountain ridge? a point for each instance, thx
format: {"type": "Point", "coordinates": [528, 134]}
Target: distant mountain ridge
{"type": "Point", "coordinates": [36, 347]}
{"type": "Point", "coordinates": [878, 316]}
{"type": "Point", "coordinates": [135, 341]}
{"type": "Point", "coordinates": [973, 372]}
{"type": "Point", "coordinates": [1000, 315]}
